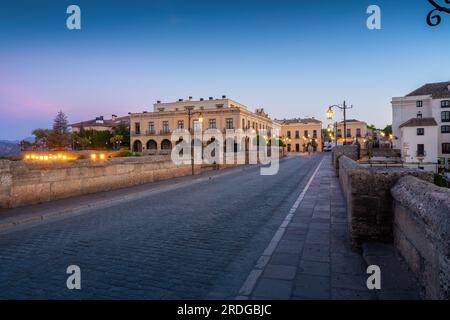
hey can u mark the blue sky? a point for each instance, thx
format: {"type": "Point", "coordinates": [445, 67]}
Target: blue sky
{"type": "Point", "coordinates": [293, 58]}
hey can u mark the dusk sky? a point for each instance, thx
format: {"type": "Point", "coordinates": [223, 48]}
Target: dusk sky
{"type": "Point", "coordinates": [293, 58]}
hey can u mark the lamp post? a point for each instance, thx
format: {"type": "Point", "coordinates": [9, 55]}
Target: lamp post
{"type": "Point", "coordinates": [200, 120]}
{"type": "Point", "coordinates": [344, 108]}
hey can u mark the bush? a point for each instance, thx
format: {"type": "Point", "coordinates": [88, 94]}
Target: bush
{"type": "Point", "coordinates": [440, 180]}
{"type": "Point", "coordinates": [124, 152]}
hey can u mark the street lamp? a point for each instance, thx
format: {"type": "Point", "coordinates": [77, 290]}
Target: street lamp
{"type": "Point", "coordinates": [200, 120]}
{"type": "Point", "coordinates": [344, 108]}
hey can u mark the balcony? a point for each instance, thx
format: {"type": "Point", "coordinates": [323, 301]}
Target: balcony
{"type": "Point", "coordinates": [136, 133]}
{"type": "Point", "coordinates": [421, 153]}
{"type": "Point", "coordinates": [165, 131]}
{"type": "Point", "coordinates": [150, 132]}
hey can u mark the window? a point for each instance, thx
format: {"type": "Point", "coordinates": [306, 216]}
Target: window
{"type": "Point", "coordinates": [180, 124]}
{"type": "Point", "coordinates": [306, 135]}
{"type": "Point", "coordinates": [358, 132]}
{"type": "Point", "coordinates": [297, 134]}
{"type": "Point", "coordinates": [243, 123]}
{"type": "Point", "coordinates": [212, 124]}
{"type": "Point", "coordinates": [151, 127]}
{"type": "Point", "coordinates": [420, 149]}
{"type": "Point", "coordinates": [445, 129]}
{"type": "Point", "coordinates": [419, 104]}
{"type": "Point", "coordinates": [339, 133]}
{"type": "Point", "coordinates": [197, 125]}
{"type": "Point", "coordinates": [445, 116]}
{"type": "Point", "coordinates": [229, 123]}
{"type": "Point", "coordinates": [137, 128]}
{"type": "Point", "coordinates": [419, 115]}
{"type": "Point", "coordinates": [446, 148]}
{"type": "Point", "coordinates": [445, 104]}
{"type": "Point", "coordinates": [314, 134]}
{"type": "Point", "coordinates": [289, 134]}
{"type": "Point", "coordinates": [165, 127]}
{"type": "Point", "coordinates": [349, 133]}
{"type": "Point", "coordinates": [420, 131]}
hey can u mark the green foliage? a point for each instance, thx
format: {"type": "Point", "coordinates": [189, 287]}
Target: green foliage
{"type": "Point", "coordinates": [124, 152]}
{"type": "Point", "coordinates": [440, 180]}
{"type": "Point", "coordinates": [388, 130]}
{"type": "Point", "coordinates": [59, 137]}
{"type": "Point", "coordinates": [122, 129]}
{"type": "Point", "coordinates": [92, 139]}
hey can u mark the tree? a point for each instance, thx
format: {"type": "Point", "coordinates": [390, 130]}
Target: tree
{"type": "Point", "coordinates": [388, 130]}
{"type": "Point", "coordinates": [372, 127]}
{"type": "Point", "coordinates": [122, 129]}
{"type": "Point", "coordinates": [116, 140]}
{"type": "Point", "coordinates": [59, 137]}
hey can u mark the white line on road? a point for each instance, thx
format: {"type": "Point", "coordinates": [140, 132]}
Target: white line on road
{"type": "Point", "coordinates": [250, 283]}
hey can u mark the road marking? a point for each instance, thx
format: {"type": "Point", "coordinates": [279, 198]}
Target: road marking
{"type": "Point", "coordinates": [250, 283]}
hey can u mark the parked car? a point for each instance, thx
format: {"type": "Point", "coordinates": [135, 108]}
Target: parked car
{"type": "Point", "coordinates": [327, 148]}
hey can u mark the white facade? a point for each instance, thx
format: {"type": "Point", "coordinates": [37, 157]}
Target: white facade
{"type": "Point", "coordinates": [411, 141]}
{"type": "Point", "coordinates": [432, 101]}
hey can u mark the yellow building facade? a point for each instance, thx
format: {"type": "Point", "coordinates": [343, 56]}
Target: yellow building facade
{"type": "Point", "coordinates": [298, 134]}
{"type": "Point", "coordinates": [151, 131]}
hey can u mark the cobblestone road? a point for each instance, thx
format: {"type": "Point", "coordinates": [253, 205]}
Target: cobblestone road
{"type": "Point", "coordinates": [194, 242]}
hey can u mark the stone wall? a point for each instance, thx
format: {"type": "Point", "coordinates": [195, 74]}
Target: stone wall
{"type": "Point", "coordinates": [24, 183]}
{"type": "Point", "coordinates": [350, 151]}
{"type": "Point", "coordinates": [385, 152]}
{"type": "Point", "coordinates": [422, 233]}
{"type": "Point", "coordinates": [369, 201]}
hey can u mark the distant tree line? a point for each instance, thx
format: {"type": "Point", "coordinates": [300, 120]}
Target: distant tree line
{"type": "Point", "coordinates": [60, 137]}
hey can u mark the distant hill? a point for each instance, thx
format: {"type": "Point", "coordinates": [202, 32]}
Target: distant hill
{"type": "Point", "coordinates": [9, 148]}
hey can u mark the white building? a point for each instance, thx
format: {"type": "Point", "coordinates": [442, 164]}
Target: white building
{"type": "Point", "coordinates": [421, 124]}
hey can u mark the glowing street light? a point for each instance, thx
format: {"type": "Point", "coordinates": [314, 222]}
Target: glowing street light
{"type": "Point", "coordinates": [330, 113]}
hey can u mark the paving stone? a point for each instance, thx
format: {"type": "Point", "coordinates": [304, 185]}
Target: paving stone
{"type": "Point", "coordinates": [273, 289]}
{"type": "Point", "coordinates": [316, 252]}
{"type": "Point", "coordinates": [347, 281]}
{"type": "Point", "coordinates": [284, 272]}
{"type": "Point", "coordinates": [313, 287]}
{"type": "Point", "coordinates": [318, 237]}
{"type": "Point", "coordinates": [287, 259]}
{"type": "Point", "coordinates": [314, 268]}
{"type": "Point", "coordinates": [348, 294]}
{"type": "Point", "coordinates": [289, 246]}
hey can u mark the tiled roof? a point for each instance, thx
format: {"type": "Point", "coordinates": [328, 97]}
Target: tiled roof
{"type": "Point", "coordinates": [105, 123]}
{"type": "Point", "coordinates": [437, 90]}
{"type": "Point", "coordinates": [419, 122]}
{"type": "Point", "coordinates": [351, 120]}
{"type": "Point", "coordinates": [298, 120]}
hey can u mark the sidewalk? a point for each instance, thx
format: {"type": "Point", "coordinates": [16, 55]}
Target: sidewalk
{"type": "Point", "coordinates": [313, 258]}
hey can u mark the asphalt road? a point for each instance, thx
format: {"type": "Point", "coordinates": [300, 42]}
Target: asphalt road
{"type": "Point", "coordinates": [195, 241]}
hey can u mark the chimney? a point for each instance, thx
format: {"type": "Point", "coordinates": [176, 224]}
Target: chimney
{"type": "Point", "coordinates": [113, 117]}
{"type": "Point", "coordinates": [210, 98]}
{"type": "Point", "coordinates": [224, 97]}
{"type": "Point", "coordinates": [190, 98]}
{"type": "Point", "coordinates": [201, 99]}
{"type": "Point", "coordinates": [180, 100]}
{"type": "Point", "coordinates": [159, 101]}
